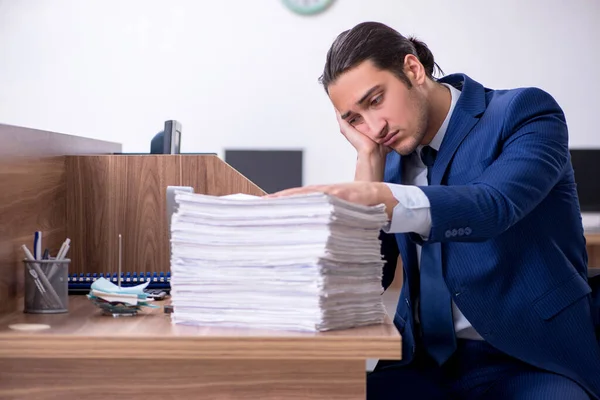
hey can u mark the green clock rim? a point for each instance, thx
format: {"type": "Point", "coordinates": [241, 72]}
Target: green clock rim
{"type": "Point", "coordinates": [307, 10]}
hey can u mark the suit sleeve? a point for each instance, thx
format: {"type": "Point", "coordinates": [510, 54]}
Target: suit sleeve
{"type": "Point", "coordinates": [533, 159]}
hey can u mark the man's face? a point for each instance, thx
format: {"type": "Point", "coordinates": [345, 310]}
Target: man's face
{"type": "Point", "coordinates": [381, 106]}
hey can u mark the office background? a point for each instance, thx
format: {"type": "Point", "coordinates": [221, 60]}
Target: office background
{"type": "Point", "coordinates": [242, 74]}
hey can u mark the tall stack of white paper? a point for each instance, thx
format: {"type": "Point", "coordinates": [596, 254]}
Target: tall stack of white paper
{"type": "Point", "coordinates": [310, 262]}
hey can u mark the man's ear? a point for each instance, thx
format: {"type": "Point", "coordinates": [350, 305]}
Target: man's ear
{"type": "Point", "coordinates": [414, 70]}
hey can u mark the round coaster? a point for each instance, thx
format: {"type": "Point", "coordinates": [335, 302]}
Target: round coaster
{"type": "Point", "coordinates": [29, 327]}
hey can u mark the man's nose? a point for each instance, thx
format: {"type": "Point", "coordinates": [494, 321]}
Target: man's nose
{"type": "Point", "coordinates": [377, 128]}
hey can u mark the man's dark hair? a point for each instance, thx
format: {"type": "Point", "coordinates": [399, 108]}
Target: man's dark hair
{"type": "Point", "coordinates": [379, 43]}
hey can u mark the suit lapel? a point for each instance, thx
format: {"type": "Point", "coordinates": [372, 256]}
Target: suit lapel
{"type": "Point", "coordinates": [470, 106]}
{"type": "Point", "coordinates": [393, 168]}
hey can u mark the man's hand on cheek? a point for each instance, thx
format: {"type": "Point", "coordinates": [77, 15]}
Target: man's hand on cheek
{"type": "Point", "coordinates": [365, 193]}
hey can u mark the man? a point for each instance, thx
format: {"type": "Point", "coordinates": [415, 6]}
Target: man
{"type": "Point", "coordinates": [484, 212]}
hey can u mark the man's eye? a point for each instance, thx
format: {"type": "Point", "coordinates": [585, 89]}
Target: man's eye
{"type": "Point", "coordinates": [377, 100]}
{"type": "Point", "coordinates": [354, 120]}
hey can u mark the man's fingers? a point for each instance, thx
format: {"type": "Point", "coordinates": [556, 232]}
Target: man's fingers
{"type": "Point", "coordinates": [297, 190]}
{"type": "Point", "coordinates": [344, 125]}
{"type": "Point", "coordinates": [286, 192]}
{"type": "Point", "coordinates": [354, 192]}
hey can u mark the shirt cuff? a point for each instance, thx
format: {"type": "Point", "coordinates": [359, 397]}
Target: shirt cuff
{"type": "Point", "coordinates": [412, 213]}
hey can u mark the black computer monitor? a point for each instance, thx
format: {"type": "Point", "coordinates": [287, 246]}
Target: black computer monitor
{"type": "Point", "coordinates": [167, 141]}
{"type": "Point", "coordinates": [586, 164]}
{"type": "Point", "coordinates": [272, 170]}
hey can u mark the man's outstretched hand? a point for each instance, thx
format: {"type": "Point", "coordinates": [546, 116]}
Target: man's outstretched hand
{"type": "Point", "coordinates": [365, 193]}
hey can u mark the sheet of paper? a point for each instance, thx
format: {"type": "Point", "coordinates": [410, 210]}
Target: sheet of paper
{"type": "Point", "coordinates": [104, 285]}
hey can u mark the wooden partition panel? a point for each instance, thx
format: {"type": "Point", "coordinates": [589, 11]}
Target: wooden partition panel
{"type": "Point", "coordinates": [112, 195]}
{"type": "Point", "coordinates": [91, 219]}
{"type": "Point", "coordinates": [211, 175]}
{"type": "Point", "coordinates": [33, 197]}
{"type": "Point", "coordinates": [140, 208]}
{"type": "Point", "coordinates": [126, 194]}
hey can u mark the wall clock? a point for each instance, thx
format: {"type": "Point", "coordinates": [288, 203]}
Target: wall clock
{"type": "Point", "coordinates": [307, 7]}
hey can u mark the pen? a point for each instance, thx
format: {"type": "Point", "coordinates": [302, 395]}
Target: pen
{"type": "Point", "coordinates": [120, 257]}
{"type": "Point", "coordinates": [36, 278]}
{"type": "Point", "coordinates": [64, 248]}
{"type": "Point", "coordinates": [37, 282]}
{"type": "Point", "coordinates": [37, 245]}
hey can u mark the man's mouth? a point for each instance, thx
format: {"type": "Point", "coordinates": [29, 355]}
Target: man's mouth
{"type": "Point", "coordinates": [390, 138]}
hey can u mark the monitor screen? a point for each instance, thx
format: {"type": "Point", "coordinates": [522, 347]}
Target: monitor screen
{"type": "Point", "coordinates": [271, 170]}
{"type": "Point", "coordinates": [586, 164]}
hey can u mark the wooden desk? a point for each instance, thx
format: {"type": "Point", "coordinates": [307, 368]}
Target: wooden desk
{"type": "Point", "coordinates": [85, 355]}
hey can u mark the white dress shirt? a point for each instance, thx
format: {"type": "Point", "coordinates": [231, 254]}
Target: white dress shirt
{"type": "Point", "coordinates": [413, 214]}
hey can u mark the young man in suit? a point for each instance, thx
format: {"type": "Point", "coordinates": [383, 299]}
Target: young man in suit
{"type": "Point", "coordinates": [483, 209]}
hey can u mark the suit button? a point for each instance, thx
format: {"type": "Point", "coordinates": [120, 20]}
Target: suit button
{"type": "Point", "coordinates": [407, 302]}
{"type": "Point", "coordinates": [461, 231]}
{"type": "Point", "coordinates": [454, 232]}
{"type": "Point", "coordinates": [467, 231]}
{"type": "Point", "coordinates": [448, 233]}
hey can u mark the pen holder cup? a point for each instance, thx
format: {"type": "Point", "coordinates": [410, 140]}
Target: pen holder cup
{"type": "Point", "coordinates": [46, 286]}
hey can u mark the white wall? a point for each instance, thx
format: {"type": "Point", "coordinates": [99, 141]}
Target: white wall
{"type": "Point", "coordinates": [243, 74]}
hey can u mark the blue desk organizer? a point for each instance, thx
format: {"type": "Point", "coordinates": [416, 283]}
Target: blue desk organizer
{"type": "Point", "coordinates": [80, 283]}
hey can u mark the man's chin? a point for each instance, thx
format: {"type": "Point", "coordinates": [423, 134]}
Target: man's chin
{"type": "Point", "coordinates": [404, 149]}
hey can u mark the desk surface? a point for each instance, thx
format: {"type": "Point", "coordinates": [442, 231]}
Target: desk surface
{"type": "Point", "coordinates": [85, 332]}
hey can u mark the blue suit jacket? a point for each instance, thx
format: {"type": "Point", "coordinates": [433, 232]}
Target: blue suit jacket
{"type": "Point", "coordinates": [505, 213]}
